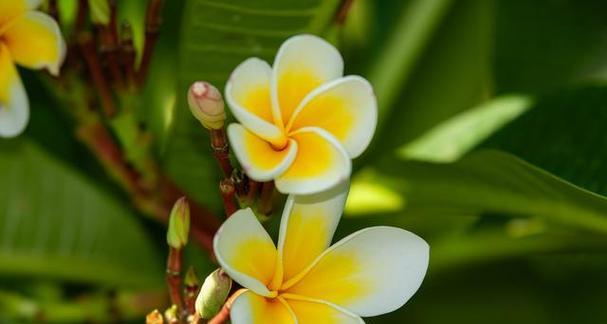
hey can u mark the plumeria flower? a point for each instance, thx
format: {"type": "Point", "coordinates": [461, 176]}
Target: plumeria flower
{"type": "Point", "coordinates": [301, 121]}
{"type": "Point", "coordinates": [371, 272]}
{"type": "Point", "coordinates": [31, 39]}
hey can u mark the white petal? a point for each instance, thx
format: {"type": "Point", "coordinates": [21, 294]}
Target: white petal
{"type": "Point", "coordinates": [246, 252]}
{"type": "Point", "coordinates": [248, 95]}
{"type": "Point", "coordinates": [346, 108]}
{"type": "Point", "coordinates": [260, 161]}
{"type": "Point", "coordinates": [371, 272]}
{"type": "Point", "coordinates": [317, 311]}
{"type": "Point", "coordinates": [14, 105]}
{"type": "Point", "coordinates": [249, 308]}
{"type": "Point", "coordinates": [321, 163]}
{"type": "Point", "coordinates": [303, 63]}
{"type": "Point", "coordinates": [307, 227]}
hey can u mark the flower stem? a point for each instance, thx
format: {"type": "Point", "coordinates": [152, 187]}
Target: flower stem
{"type": "Point", "coordinates": [267, 193]}
{"type": "Point", "coordinates": [228, 191]}
{"type": "Point", "coordinates": [173, 277]}
{"type": "Point", "coordinates": [89, 52]}
{"type": "Point", "coordinates": [152, 27]}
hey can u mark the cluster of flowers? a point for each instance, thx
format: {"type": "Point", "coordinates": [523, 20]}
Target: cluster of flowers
{"type": "Point", "coordinates": [301, 123]}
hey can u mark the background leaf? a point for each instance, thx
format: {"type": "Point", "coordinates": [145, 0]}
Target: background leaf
{"type": "Point", "coordinates": [55, 224]}
{"type": "Point", "coordinates": [564, 133]}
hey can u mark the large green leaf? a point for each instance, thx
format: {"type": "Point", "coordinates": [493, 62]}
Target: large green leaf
{"type": "Point", "coordinates": [56, 224]}
{"type": "Point", "coordinates": [563, 133]}
{"type": "Point", "coordinates": [491, 182]}
{"type": "Point", "coordinates": [216, 36]}
{"type": "Point", "coordinates": [544, 45]}
{"type": "Point", "coordinates": [427, 75]}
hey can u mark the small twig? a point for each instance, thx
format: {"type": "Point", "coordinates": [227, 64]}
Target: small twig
{"type": "Point", "coordinates": [127, 53]}
{"type": "Point", "coordinates": [109, 46]}
{"type": "Point", "coordinates": [253, 188]}
{"type": "Point", "coordinates": [87, 47]}
{"type": "Point", "coordinates": [152, 28]}
{"type": "Point", "coordinates": [53, 10]}
{"type": "Point", "coordinates": [267, 193]}
{"type": "Point", "coordinates": [226, 187]}
{"type": "Point", "coordinates": [81, 16]}
{"type": "Point", "coordinates": [342, 12]}
{"type": "Point", "coordinates": [224, 314]}
{"type": "Point", "coordinates": [221, 150]}
{"type": "Point", "coordinates": [173, 277]}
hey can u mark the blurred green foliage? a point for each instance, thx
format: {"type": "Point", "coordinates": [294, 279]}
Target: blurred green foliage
{"type": "Point", "coordinates": [490, 146]}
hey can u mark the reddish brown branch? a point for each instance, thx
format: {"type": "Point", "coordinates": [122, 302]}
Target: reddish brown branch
{"type": "Point", "coordinates": [89, 52]}
{"type": "Point", "coordinates": [342, 12]}
{"type": "Point", "coordinates": [152, 26]}
{"type": "Point", "coordinates": [127, 53]}
{"type": "Point", "coordinates": [173, 277]}
{"type": "Point", "coordinates": [221, 151]}
{"type": "Point", "coordinates": [53, 10]}
{"type": "Point", "coordinates": [83, 8]}
{"type": "Point", "coordinates": [266, 199]}
{"type": "Point", "coordinates": [252, 189]}
{"type": "Point", "coordinates": [109, 47]}
{"type": "Point", "coordinates": [226, 187]}
{"type": "Point", "coordinates": [224, 313]}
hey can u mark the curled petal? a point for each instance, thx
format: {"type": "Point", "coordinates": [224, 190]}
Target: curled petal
{"type": "Point", "coordinates": [257, 157]}
{"type": "Point", "coordinates": [345, 107]}
{"type": "Point", "coordinates": [246, 252]}
{"type": "Point", "coordinates": [303, 63]}
{"type": "Point", "coordinates": [14, 105]}
{"type": "Point", "coordinates": [249, 308]}
{"type": "Point", "coordinates": [307, 227]}
{"type": "Point", "coordinates": [371, 272]}
{"type": "Point", "coordinates": [248, 95]}
{"type": "Point", "coordinates": [321, 163]}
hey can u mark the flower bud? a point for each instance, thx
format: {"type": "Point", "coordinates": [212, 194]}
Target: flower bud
{"type": "Point", "coordinates": [171, 315]}
{"type": "Point", "coordinates": [191, 279]}
{"type": "Point", "coordinates": [206, 104]}
{"type": "Point", "coordinates": [213, 294]}
{"type": "Point", "coordinates": [179, 224]}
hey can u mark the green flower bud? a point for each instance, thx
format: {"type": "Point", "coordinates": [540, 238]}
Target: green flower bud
{"type": "Point", "coordinates": [100, 12]}
{"type": "Point", "coordinates": [179, 224]}
{"type": "Point", "coordinates": [191, 279]}
{"type": "Point", "coordinates": [213, 294]}
{"type": "Point", "coordinates": [206, 104]}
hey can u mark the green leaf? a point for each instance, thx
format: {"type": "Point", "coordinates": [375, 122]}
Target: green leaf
{"type": "Point", "coordinates": [216, 37]}
{"type": "Point", "coordinates": [545, 45]}
{"type": "Point", "coordinates": [492, 182]}
{"type": "Point", "coordinates": [563, 133]}
{"type": "Point", "coordinates": [56, 224]}
{"type": "Point", "coordinates": [449, 140]}
{"type": "Point", "coordinates": [425, 76]}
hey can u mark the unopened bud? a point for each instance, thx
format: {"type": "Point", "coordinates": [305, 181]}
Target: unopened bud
{"type": "Point", "coordinates": [213, 294]}
{"type": "Point", "coordinates": [100, 12]}
{"type": "Point", "coordinates": [179, 224]}
{"type": "Point", "coordinates": [171, 315]}
{"type": "Point", "coordinates": [191, 279]}
{"type": "Point", "coordinates": [154, 318]}
{"type": "Point", "coordinates": [206, 104]}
